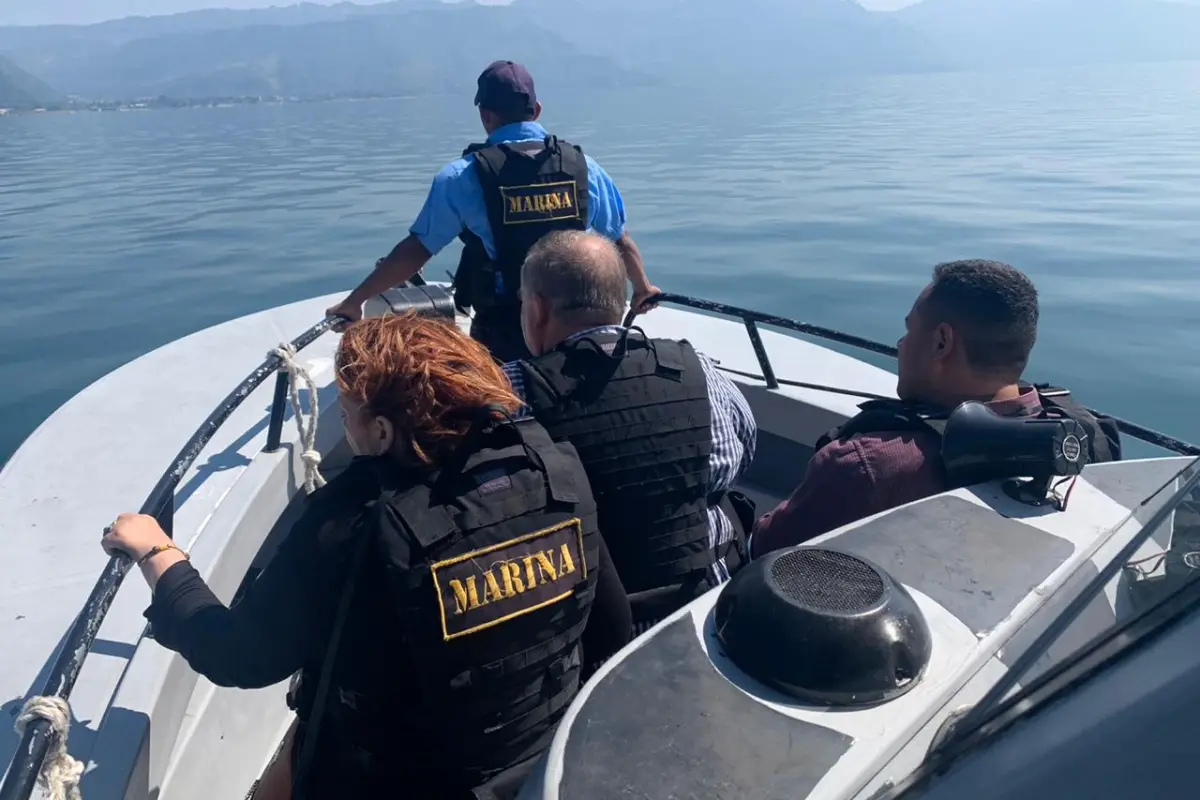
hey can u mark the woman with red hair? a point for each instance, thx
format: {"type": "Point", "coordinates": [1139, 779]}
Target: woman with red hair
{"type": "Point", "coordinates": [433, 599]}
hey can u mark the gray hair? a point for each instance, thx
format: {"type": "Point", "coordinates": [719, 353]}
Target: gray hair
{"type": "Point", "coordinates": [579, 274]}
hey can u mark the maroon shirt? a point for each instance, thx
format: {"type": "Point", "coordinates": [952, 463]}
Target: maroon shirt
{"type": "Point", "coordinates": [849, 479]}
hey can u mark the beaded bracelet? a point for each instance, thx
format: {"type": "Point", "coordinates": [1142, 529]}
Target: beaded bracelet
{"type": "Point", "coordinates": [160, 548]}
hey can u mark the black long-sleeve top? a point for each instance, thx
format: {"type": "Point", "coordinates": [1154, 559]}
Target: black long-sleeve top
{"type": "Point", "coordinates": [282, 623]}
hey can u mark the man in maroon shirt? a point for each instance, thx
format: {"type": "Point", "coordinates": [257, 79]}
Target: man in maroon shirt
{"type": "Point", "coordinates": [967, 337]}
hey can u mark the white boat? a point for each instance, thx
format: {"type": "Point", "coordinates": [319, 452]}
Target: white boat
{"type": "Point", "coordinates": [671, 715]}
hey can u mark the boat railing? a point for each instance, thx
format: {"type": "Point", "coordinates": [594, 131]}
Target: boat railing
{"type": "Point", "coordinates": [21, 776]}
{"type": "Point", "coordinates": [751, 319]}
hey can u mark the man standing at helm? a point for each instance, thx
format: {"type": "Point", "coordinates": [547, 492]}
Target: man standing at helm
{"type": "Point", "coordinates": [500, 198]}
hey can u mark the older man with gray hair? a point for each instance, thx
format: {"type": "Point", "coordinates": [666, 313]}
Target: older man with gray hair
{"type": "Point", "coordinates": [662, 434]}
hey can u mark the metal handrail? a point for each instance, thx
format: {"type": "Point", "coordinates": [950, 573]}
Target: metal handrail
{"type": "Point", "coordinates": [22, 773]}
{"type": "Point", "coordinates": [21, 777]}
{"type": "Point", "coordinates": [751, 319]}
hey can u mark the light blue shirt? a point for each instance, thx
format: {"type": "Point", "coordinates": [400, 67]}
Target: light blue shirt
{"type": "Point", "coordinates": [456, 201]}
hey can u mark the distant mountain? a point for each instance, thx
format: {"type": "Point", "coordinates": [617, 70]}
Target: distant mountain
{"type": "Point", "coordinates": [424, 46]}
{"type": "Point", "coordinates": [1020, 33]}
{"type": "Point", "coordinates": [430, 46]}
{"type": "Point", "coordinates": [127, 29]}
{"type": "Point", "coordinates": [19, 89]}
{"type": "Point", "coordinates": [408, 47]}
{"type": "Point", "coordinates": [701, 39]}
{"type": "Point", "coordinates": [885, 5]}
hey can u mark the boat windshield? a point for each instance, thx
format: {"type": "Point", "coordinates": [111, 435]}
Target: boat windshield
{"type": "Point", "coordinates": [1142, 561]}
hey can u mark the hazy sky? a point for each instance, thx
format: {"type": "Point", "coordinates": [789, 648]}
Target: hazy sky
{"type": "Point", "coordinates": [40, 12]}
{"type": "Point", "coordinates": [37, 12]}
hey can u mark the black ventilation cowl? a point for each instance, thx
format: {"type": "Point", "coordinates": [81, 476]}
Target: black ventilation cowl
{"type": "Point", "coordinates": [825, 627]}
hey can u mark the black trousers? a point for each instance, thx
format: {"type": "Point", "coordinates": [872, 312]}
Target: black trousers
{"type": "Point", "coordinates": [499, 329]}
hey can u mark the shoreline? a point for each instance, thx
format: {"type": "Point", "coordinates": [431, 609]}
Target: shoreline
{"type": "Point", "coordinates": [160, 103]}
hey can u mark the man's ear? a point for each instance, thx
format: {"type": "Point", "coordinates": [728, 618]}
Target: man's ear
{"type": "Point", "coordinates": [943, 341]}
{"type": "Point", "coordinates": [541, 309]}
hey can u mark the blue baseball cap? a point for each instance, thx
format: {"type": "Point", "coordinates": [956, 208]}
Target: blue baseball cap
{"type": "Point", "coordinates": [506, 87]}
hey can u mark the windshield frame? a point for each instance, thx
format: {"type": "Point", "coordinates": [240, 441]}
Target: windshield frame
{"type": "Point", "coordinates": [998, 701]}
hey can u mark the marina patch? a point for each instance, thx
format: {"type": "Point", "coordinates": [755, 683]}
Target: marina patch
{"type": "Point", "coordinates": [492, 585]}
{"type": "Point", "coordinates": [540, 202]}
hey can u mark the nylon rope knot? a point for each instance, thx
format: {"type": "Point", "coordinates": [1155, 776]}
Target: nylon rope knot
{"type": "Point", "coordinates": [60, 772]}
{"type": "Point", "coordinates": [310, 457]}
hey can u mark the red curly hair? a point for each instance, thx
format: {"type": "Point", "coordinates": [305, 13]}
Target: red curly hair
{"type": "Point", "coordinates": [424, 375]}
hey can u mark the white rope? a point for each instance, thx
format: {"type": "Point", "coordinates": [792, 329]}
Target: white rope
{"type": "Point", "coordinates": [60, 772]}
{"type": "Point", "coordinates": [307, 430]}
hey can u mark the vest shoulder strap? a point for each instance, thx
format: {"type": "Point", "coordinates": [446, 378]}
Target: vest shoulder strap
{"type": "Point", "coordinates": [541, 375]}
{"type": "Point", "coordinates": [888, 415]}
{"type": "Point", "coordinates": [560, 372]}
{"type": "Point", "coordinates": [533, 444]}
{"type": "Point", "coordinates": [562, 369]}
{"type": "Point", "coordinates": [492, 158]}
{"type": "Point", "coordinates": [561, 483]}
{"type": "Point", "coordinates": [412, 502]}
{"type": "Point", "coordinates": [1048, 390]}
{"type": "Point", "coordinates": [573, 158]}
{"type": "Point", "coordinates": [450, 501]}
{"type": "Point", "coordinates": [1104, 434]}
{"type": "Point", "coordinates": [671, 355]}
{"type": "Point", "coordinates": [1104, 443]}
{"type": "Point", "coordinates": [428, 522]}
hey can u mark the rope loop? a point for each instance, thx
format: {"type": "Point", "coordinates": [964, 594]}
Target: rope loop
{"type": "Point", "coordinates": [306, 429]}
{"type": "Point", "coordinates": [61, 772]}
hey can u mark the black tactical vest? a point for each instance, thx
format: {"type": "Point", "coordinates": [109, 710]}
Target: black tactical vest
{"type": "Point", "coordinates": [1103, 438]}
{"type": "Point", "coordinates": [531, 188]}
{"type": "Point", "coordinates": [641, 421]}
{"type": "Point", "coordinates": [489, 571]}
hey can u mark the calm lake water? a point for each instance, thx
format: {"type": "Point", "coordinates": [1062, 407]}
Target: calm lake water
{"type": "Point", "coordinates": [827, 202]}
